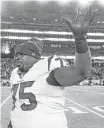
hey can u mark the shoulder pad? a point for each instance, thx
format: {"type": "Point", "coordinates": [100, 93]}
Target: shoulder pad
{"type": "Point", "coordinates": [56, 62]}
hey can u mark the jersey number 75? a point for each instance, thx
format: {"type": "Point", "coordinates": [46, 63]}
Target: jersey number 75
{"type": "Point", "coordinates": [22, 95]}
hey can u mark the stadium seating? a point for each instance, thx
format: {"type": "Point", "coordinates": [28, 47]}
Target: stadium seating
{"type": "Point", "coordinates": [36, 17]}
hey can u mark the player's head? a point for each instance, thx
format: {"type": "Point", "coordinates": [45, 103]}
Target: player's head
{"type": "Point", "coordinates": [29, 53]}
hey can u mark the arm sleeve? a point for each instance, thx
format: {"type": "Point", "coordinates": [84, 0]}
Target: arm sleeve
{"type": "Point", "coordinates": [55, 63]}
{"type": "Point", "coordinates": [12, 77]}
{"type": "Point", "coordinates": [52, 80]}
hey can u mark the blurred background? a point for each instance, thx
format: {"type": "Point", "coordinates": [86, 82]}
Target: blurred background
{"type": "Point", "coordinates": [21, 20]}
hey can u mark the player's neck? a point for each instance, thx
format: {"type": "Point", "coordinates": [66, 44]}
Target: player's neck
{"type": "Point", "coordinates": [21, 72]}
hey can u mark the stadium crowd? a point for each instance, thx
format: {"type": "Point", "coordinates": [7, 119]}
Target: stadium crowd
{"type": "Point", "coordinates": [8, 64]}
{"type": "Point", "coordinates": [46, 18]}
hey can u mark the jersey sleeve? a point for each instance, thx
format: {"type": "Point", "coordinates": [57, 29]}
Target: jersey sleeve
{"type": "Point", "coordinates": [55, 62]}
{"type": "Point", "coordinates": [12, 77]}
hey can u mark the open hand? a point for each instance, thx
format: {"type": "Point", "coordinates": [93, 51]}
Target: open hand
{"type": "Point", "coordinates": [82, 22]}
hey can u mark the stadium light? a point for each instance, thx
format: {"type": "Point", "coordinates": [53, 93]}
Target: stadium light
{"type": "Point", "coordinates": [63, 2]}
{"type": "Point", "coordinates": [84, 2]}
{"type": "Point", "coordinates": [50, 39]}
{"type": "Point", "coordinates": [7, 51]}
{"type": "Point", "coordinates": [43, 1]}
{"type": "Point", "coordinates": [101, 2]}
{"type": "Point", "coordinates": [47, 32]}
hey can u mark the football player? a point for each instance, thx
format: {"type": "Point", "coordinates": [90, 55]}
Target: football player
{"type": "Point", "coordinates": [38, 85]}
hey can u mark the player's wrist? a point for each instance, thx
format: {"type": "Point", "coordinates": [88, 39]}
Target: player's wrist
{"type": "Point", "coordinates": [80, 38]}
{"type": "Point", "coordinates": [81, 44]}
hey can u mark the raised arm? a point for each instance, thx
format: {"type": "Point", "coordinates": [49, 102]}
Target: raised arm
{"type": "Point", "coordinates": [68, 76]}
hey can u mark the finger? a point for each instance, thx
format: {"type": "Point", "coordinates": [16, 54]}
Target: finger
{"type": "Point", "coordinates": [64, 18]}
{"type": "Point", "coordinates": [80, 12]}
{"type": "Point", "coordinates": [88, 10]}
{"type": "Point", "coordinates": [68, 22]}
{"type": "Point", "coordinates": [89, 15]}
{"type": "Point", "coordinates": [92, 17]}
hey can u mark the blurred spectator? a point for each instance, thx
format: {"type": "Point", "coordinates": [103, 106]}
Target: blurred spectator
{"type": "Point", "coordinates": [7, 65]}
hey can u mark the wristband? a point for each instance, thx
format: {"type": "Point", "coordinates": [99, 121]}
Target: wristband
{"type": "Point", "coordinates": [81, 37]}
{"type": "Point", "coordinates": [81, 45]}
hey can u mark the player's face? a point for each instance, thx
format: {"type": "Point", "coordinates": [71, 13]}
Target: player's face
{"type": "Point", "coordinates": [24, 62]}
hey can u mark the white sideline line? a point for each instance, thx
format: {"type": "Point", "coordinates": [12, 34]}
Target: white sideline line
{"type": "Point", "coordinates": [78, 89]}
{"type": "Point", "coordinates": [87, 90]}
{"type": "Point", "coordinates": [5, 87]}
{"type": "Point", "coordinates": [5, 101]}
{"type": "Point", "coordinates": [86, 108]}
{"type": "Point", "coordinates": [2, 95]}
{"type": "Point", "coordinates": [99, 93]}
